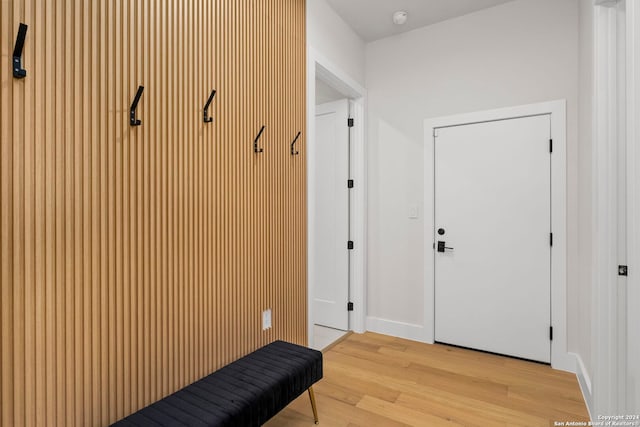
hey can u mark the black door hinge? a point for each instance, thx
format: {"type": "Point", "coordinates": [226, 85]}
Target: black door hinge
{"type": "Point", "coordinates": [623, 270]}
{"type": "Point", "coordinates": [349, 306]}
{"type": "Point", "coordinates": [551, 145]}
{"type": "Point", "coordinates": [551, 239]}
{"type": "Point", "coordinates": [350, 183]}
{"type": "Point", "coordinates": [551, 333]}
{"type": "Point", "coordinates": [350, 244]}
{"type": "Point", "coordinates": [350, 122]}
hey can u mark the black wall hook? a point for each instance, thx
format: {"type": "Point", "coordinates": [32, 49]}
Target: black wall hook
{"type": "Point", "coordinates": [132, 114]}
{"type": "Point", "coordinates": [255, 141]}
{"type": "Point", "coordinates": [18, 71]}
{"type": "Point", "coordinates": [206, 117]}
{"type": "Point", "coordinates": [294, 152]}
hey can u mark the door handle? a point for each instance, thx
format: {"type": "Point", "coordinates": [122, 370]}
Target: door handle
{"type": "Point", "coordinates": [442, 247]}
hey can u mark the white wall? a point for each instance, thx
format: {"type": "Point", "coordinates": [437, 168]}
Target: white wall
{"type": "Point", "coordinates": [330, 36]}
{"type": "Point", "coordinates": [633, 218]}
{"type": "Point", "coordinates": [522, 52]}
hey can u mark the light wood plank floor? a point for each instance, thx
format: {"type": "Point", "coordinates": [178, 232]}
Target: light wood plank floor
{"type": "Point", "coordinates": [373, 380]}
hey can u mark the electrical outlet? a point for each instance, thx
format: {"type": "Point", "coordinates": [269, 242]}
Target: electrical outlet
{"type": "Point", "coordinates": [266, 319]}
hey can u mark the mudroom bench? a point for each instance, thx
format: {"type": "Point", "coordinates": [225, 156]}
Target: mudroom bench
{"type": "Point", "coordinates": [245, 393]}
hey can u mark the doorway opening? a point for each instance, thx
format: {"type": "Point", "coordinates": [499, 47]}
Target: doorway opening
{"type": "Point", "coordinates": [333, 211]}
{"type": "Point", "coordinates": [336, 191]}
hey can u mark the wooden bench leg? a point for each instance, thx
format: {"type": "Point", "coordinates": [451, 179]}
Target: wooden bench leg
{"type": "Point", "coordinates": [312, 396]}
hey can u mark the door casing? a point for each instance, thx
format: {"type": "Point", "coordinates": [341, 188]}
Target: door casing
{"type": "Point", "coordinates": [318, 66]}
{"type": "Point", "coordinates": [560, 357]}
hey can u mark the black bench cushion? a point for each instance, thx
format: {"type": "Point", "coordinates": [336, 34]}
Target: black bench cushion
{"type": "Point", "coordinates": [247, 392]}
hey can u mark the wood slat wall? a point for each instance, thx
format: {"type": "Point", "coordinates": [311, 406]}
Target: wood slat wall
{"type": "Point", "coordinates": [135, 260]}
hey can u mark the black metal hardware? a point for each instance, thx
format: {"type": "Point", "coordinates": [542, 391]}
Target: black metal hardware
{"type": "Point", "coordinates": [350, 244]}
{"type": "Point", "coordinates": [551, 333]}
{"type": "Point", "coordinates": [349, 183]}
{"type": "Point", "coordinates": [294, 152]}
{"type": "Point", "coordinates": [349, 306]}
{"type": "Point", "coordinates": [132, 113]}
{"type": "Point", "coordinates": [350, 122]}
{"type": "Point", "coordinates": [442, 247]}
{"type": "Point", "coordinates": [551, 239]}
{"type": "Point", "coordinates": [441, 231]}
{"type": "Point", "coordinates": [551, 145]}
{"type": "Point", "coordinates": [18, 71]}
{"type": "Point", "coordinates": [205, 112]}
{"type": "Point", "coordinates": [623, 270]}
{"type": "Point", "coordinates": [255, 141]}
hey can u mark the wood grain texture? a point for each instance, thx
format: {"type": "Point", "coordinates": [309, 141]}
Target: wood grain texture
{"type": "Point", "coordinates": [375, 380]}
{"type": "Point", "coordinates": [135, 260]}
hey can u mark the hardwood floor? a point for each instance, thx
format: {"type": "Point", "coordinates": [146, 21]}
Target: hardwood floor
{"type": "Point", "coordinates": [374, 380]}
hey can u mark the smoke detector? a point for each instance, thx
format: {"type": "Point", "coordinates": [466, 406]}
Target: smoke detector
{"type": "Point", "coordinates": [400, 17]}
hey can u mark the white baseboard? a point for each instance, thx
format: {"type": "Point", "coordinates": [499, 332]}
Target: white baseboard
{"type": "Point", "coordinates": [404, 330]}
{"type": "Point", "coordinates": [585, 383]}
{"type": "Point", "coordinates": [563, 361]}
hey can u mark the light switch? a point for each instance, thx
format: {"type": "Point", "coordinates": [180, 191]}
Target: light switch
{"type": "Point", "coordinates": [413, 211]}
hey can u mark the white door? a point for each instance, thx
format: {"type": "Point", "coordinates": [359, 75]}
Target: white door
{"type": "Point", "coordinates": [492, 211]}
{"type": "Point", "coordinates": [331, 290]}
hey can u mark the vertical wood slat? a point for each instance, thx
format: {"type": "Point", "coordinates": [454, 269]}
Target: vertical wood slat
{"type": "Point", "coordinates": [137, 259]}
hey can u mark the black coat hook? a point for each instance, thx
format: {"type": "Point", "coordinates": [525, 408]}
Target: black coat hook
{"type": "Point", "coordinates": [255, 141]}
{"type": "Point", "coordinates": [206, 107]}
{"type": "Point", "coordinates": [18, 71]}
{"type": "Point", "coordinates": [294, 152]}
{"type": "Point", "coordinates": [132, 114]}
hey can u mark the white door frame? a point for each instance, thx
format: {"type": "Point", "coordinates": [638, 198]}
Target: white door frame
{"type": "Point", "coordinates": [616, 347]}
{"type": "Point", "coordinates": [560, 358]}
{"type": "Point", "coordinates": [320, 67]}
{"type": "Point", "coordinates": [605, 341]}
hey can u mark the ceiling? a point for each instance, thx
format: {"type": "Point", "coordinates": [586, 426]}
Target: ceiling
{"type": "Point", "coordinates": [372, 19]}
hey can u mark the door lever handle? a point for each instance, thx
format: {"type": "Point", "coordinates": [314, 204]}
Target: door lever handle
{"type": "Point", "coordinates": [442, 247]}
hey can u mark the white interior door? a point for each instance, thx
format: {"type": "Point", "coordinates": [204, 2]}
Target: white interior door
{"type": "Point", "coordinates": [493, 209]}
{"type": "Point", "coordinates": [331, 290]}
